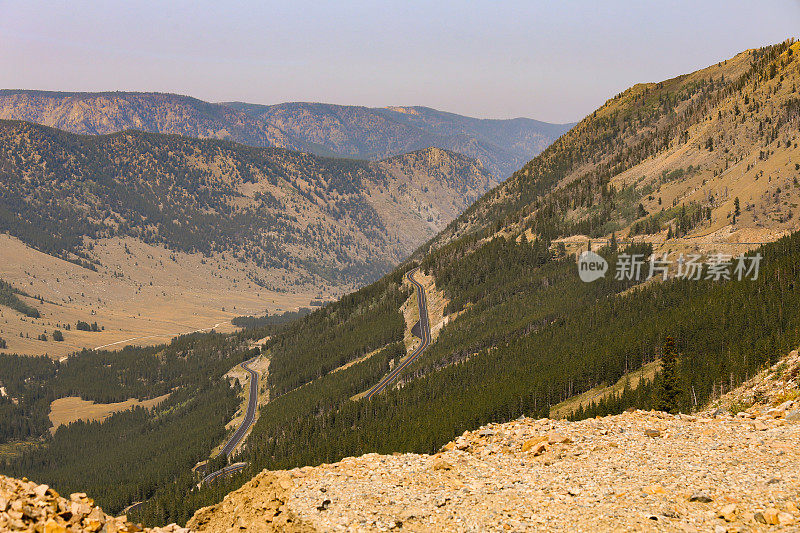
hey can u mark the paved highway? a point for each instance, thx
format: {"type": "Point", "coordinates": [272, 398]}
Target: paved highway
{"type": "Point", "coordinates": [424, 334]}
{"type": "Point", "coordinates": [236, 438]}
{"type": "Point", "coordinates": [250, 414]}
{"type": "Point", "coordinates": [228, 470]}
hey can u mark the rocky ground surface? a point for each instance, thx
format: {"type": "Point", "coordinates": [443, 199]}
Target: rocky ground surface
{"type": "Point", "coordinates": [28, 506]}
{"type": "Point", "coordinates": [733, 467]}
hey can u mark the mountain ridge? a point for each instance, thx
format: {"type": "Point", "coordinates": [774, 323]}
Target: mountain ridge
{"type": "Point", "coordinates": [519, 332]}
{"type": "Point", "coordinates": [351, 131]}
{"type": "Point", "coordinates": [373, 133]}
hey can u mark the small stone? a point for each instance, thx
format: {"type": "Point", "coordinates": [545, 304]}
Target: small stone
{"type": "Point", "coordinates": [51, 526]}
{"type": "Point", "coordinates": [785, 519]}
{"type": "Point", "coordinates": [558, 438]}
{"type": "Point", "coordinates": [760, 425]}
{"type": "Point", "coordinates": [728, 512]}
{"type": "Point", "coordinates": [441, 464]}
{"type": "Point", "coordinates": [652, 490]}
{"type": "Point", "coordinates": [41, 490]}
{"type": "Point", "coordinates": [771, 516]}
{"type": "Point", "coordinates": [701, 497]}
{"type": "Point", "coordinates": [324, 505]}
{"type": "Point", "coordinates": [91, 524]}
{"type": "Point", "coordinates": [530, 443]}
{"type": "Point", "coordinates": [652, 433]}
{"type": "Point", "coordinates": [574, 491]}
{"type": "Point", "coordinates": [793, 417]}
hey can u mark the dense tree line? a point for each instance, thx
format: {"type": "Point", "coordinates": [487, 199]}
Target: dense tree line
{"type": "Point", "coordinates": [24, 409]}
{"type": "Point", "coordinates": [9, 297]}
{"type": "Point", "coordinates": [132, 455]}
{"type": "Point", "coordinates": [166, 189]}
{"type": "Point", "coordinates": [548, 337]}
{"type": "Point", "coordinates": [359, 323]}
{"type": "Point", "coordinates": [260, 322]}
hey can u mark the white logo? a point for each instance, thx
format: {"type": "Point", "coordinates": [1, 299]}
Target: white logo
{"type": "Point", "coordinates": [591, 266]}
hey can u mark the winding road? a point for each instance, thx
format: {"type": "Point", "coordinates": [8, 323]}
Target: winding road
{"type": "Point", "coordinates": [424, 333]}
{"type": "Point", "coordinates": [228, 470]}
{"type": "Point", "coordinates": [250, 414]}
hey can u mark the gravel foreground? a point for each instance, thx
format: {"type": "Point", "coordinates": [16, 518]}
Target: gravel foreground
{"type": "Point", "coordinates": [639, 471]}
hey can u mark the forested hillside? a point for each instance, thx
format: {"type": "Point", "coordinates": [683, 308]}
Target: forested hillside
{"type": "Point", "coordinates": [151, 450]}
{"type": "Point", "coordinates": [698, 141]}
{"type": "Point", "coordinates": [328, 220]}
{"type": "Point", "coordinates": [323, 129]}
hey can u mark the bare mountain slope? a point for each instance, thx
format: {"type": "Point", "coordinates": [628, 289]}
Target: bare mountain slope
{"type": "Point", "coordinates": [684, 148]}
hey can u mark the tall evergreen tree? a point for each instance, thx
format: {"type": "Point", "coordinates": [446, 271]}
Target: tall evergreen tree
{"type": "Point", "coordinates": [670, 389]}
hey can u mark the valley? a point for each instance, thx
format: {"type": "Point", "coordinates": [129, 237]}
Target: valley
{"type": "Point", "coordinates": [144, 297]}
{"type": "Point", "coordinates": [454, 369]}
{"type": "Point", "coordinates": [267, 230]}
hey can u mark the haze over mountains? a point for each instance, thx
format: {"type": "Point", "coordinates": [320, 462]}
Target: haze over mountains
{"type": "Point", "coordinates": [323, 129]}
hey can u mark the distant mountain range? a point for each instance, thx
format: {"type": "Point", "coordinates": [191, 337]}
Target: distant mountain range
{"type": "Point", "coordinates": [322, 129]}
{"type": "Point", "coordinates": [375, 133]}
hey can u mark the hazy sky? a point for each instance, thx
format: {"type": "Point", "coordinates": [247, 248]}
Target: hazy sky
{"type": "Point", "coordinates": [553, 61]}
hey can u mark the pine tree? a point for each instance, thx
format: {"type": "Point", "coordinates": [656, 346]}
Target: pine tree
{"type": "Point", "coordinates": [669, 391]}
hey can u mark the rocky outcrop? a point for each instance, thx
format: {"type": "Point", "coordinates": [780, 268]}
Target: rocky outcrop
{"type": "Point", "coordinates": [28, 506]}
{"type": "Point", "coordinates": [259, 506]}
{"type": "Point", "coordinates": [642, 471]}
{"type": "Point", "coordinates": [772, 393]}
